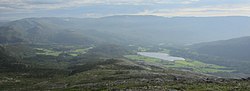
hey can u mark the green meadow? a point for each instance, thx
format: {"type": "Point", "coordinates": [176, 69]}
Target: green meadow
{"type": "Point", "coordinates": [187, 64]}
{"type": "Point", "coordinates": [51, 52]}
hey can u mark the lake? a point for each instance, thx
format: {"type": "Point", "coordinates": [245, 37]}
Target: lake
{"type": "Point", "coordinates": [163, 56]}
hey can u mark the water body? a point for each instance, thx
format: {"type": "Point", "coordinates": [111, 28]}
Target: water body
{"type": "Point", "coordinates": [163, 56]}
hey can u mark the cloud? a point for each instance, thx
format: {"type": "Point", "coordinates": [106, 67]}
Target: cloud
{"type": "Point", "coordinates": [55, 4]}
{"type": "Point", "coordinates": [204, 11]}
{"type": "Point", "coordinates": [98, 8]}
{"type": "Point", "coordinates": [19, 6]}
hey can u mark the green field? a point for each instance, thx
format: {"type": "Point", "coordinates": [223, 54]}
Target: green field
{"type": "Point", "coordinates": [79, 51]}
{"type": "Point", "coordinates": [43, 51]}
{"type": "Point", "coordinates": [198, 66]}
{"type": "Point", "coordinates": [188, 64]}
{"type": "Point", "coordinates": [72, 52]}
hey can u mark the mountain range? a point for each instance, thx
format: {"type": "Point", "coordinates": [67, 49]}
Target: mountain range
{"type": "Point", "coordinates": [236, 48]}
{"type": "Point", "coordinates": [124, 29]}
{"type": "Point", "coordinates": [52, 53]}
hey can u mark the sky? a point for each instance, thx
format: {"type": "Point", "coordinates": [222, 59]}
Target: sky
{"type": "Point", "coordinates": [18, 9]}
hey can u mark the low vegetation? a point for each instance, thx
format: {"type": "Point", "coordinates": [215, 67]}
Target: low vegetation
{"type": "Point", "coordinates": [105, 68]}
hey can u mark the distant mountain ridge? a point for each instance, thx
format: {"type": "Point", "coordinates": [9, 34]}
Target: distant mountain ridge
{"type": "Point", "coordinates": [236, 48]}
{"type": "Point", "coordinates": [124, 29]}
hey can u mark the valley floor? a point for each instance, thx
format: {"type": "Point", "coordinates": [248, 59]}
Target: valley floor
{"type": "Point", "coordinates": [104, 68]}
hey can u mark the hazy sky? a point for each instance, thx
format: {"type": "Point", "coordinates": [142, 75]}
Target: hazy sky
{"type": "Point", "coordinates": [16, 9]}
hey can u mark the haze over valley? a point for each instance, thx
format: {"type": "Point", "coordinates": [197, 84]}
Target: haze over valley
{"type": "Point", "coordinates": [82, 45]}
